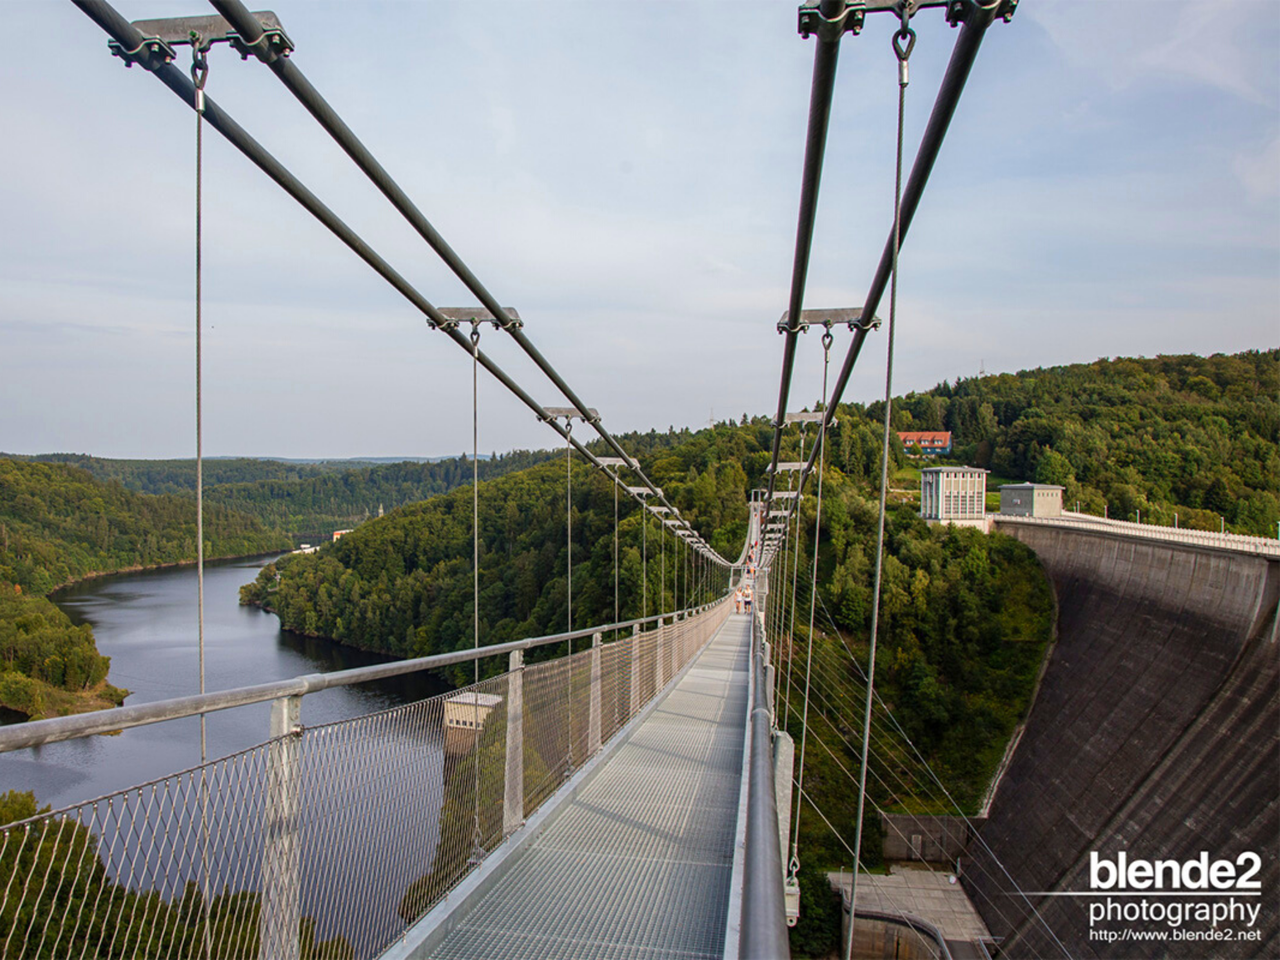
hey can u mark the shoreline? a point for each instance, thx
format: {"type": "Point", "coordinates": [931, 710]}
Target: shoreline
{"type": "Point", "coordinates": [148, 568]}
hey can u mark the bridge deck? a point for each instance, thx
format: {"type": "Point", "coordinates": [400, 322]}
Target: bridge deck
{"type": "Point", "coordinates": [638, 863]}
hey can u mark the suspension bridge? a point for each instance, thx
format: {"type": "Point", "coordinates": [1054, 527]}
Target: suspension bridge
{"type": "Point", "coordinates": [630, 797]}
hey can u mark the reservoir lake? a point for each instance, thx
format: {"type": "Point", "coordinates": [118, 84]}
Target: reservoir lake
{"type": "Point", "coordinates": [146, 623]}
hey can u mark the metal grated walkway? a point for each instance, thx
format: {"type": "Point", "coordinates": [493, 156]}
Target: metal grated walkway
{"type": "Point", "coordinates": [639, 863]}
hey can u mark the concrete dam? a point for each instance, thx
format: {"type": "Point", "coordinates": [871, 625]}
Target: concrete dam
{"type": "Point", "coordinates": [1155, 733]}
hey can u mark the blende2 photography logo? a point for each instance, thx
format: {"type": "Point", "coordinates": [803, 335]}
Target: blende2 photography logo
{"type": "Point", "coordinates": [1195, 904]}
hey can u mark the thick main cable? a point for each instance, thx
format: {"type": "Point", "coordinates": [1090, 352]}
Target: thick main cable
{"type": "Point", "coordinates": [963, 54]}
{"type": "Point", "coordinates": [124, 33]}
{"type": "Point", "coordinates": [296, 82]}
{"type": "Point", "coordinates": [825, 58]}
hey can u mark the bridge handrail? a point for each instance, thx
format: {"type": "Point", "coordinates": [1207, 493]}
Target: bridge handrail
{"type": "Point", "coordinates": [37, 732]}
{"type": "Point", "coordinates": [764, 924]}
{"type": "Point", "coordinates": [1237, 542]}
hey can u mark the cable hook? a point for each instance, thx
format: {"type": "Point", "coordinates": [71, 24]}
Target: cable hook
{"type": "Point", "coordinates": [199, 69]}
{"type": "Point", "coordinates": [904, 41]}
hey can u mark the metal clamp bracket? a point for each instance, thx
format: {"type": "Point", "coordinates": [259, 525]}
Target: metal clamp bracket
{"type": "Point", "coordinates": [270, 46]}
{"type": "Point", "coordinates": [959, 11]}
{"type": "Point", "coordinates": [161, 36]}
{"type": "Point", "coordinates": [570, 414]}
{"type": "Point", "coordinates": [151, 53]}
{"type": "Point", "coordinates": [849, 20]}
{"type": "Point", "coordinates": [847, 316]}
{"type": "Point", "coordinates": [474, 316]}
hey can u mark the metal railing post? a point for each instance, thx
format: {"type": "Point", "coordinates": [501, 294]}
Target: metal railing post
{"type": "Point", "coordinates": [659, 669]}
{"type": "Point", "coordinates": [593, 713]}
{"type": "Point", "coordinates": [635, 671]}
{"type": "Point", "coordinates": [281, 883]}
{"type": "Point", "coordinates": [513, 789]}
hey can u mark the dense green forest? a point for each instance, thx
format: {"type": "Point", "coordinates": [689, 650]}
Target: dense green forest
{"type": "Point", "coordinates": [48, 666]}
{"type": "Point", "coordinates": [308, 501]}
{"type": "Point", "coordinates": [75, 909]}
{"type": "Point", "coordinates": [966, 616]}
{"type": "Point", "coordinates": [1195, 436]}
{"type": "Point", "coordinates": [59, 524]}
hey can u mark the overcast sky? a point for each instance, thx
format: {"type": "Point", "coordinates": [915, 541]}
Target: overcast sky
{"type": "Point", "coordinates": [627, 176]}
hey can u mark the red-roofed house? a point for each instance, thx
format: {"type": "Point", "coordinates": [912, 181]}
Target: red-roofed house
{"type": "Point", "coordinates": [929, 441]}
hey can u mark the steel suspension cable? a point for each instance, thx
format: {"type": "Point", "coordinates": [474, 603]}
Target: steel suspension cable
{"type": "Point", "coordinates": [842, 711]}
{"type": "Point", "coordinates": [152, 59]}
{"type": "Point", "coordinates": [568, 523]}
{"type": "Point", "coordinates": [945, 793]}
{"type": "Point", "coordinates": [794, 865]}
{"type": "Point", "coordinates": [825, 58]}
{"type": "Point", "coordinates": [644, 561]}
{"type": "Point", "coordinates": [199, 76]}
{"type": "Point", "coordinates": [780, 612]}
{"type": "Point", "coordinates": [477, 850]}
{"type": "Point", "coordinates": [903, 52]}
{"type": "Point", "coordinates": [616, 617]}
{"type": "Point", "coordinates": [979, 16]}
{"type": "Point", "coordinates": [200, 73]}
{"type": "Point", "coordinates": [248, 27]}
{"type": "Point", "coordinates": [795, 573]}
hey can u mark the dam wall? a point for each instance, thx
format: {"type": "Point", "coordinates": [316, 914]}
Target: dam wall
{"type": "Point", "coordinates": [1156, 732]}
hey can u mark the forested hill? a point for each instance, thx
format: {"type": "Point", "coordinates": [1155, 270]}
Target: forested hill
{"type": "Point", "coordinates": [58, 523]}
{"type": "Point", "coordinates": [306, 500]}
{"type": "Point", "coordinates": [1199, 436]}
{"type": "Point", "coordinates": [968, 615]}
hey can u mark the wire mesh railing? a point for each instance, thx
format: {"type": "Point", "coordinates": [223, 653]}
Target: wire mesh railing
{"type": "Point", "coordinates": [326, 841]}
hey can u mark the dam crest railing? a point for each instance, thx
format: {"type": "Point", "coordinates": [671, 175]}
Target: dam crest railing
{"type": "Point", "coordinates": [1236, 542]}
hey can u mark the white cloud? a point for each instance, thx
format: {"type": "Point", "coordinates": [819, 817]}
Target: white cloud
{"type": "Point", "coordinates": [1214, 42]}
{"type": "Point", "coordinates": [1259, 171]}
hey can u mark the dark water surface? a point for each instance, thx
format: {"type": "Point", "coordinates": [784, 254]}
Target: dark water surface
{"type": "Point", "coordinates": [146, 624]}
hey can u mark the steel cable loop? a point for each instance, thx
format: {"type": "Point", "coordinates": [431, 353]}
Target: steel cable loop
{"type": "Point", "coordinates": [902, 53]}
{"type": "Point", "coordinates": [794, 865]}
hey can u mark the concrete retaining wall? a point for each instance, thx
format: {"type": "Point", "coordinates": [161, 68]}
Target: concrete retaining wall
{"type": "Point", "coordinates": [1155, 732]}
{"type": "Point", "coordinates": [928, 838]}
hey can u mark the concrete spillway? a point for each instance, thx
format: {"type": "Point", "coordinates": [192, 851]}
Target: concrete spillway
{"type": "Point", "coordinates": [1156, 731]}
